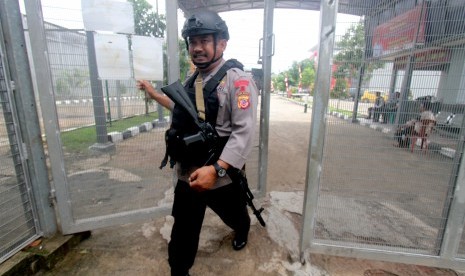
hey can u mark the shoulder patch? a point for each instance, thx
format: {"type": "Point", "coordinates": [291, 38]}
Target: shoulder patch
{"type": "Point", "coordinates": [243, 100]}
{"type": "Point", "coordinates": [241, 84]}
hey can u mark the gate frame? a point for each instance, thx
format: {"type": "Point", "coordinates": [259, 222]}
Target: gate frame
{"type": "Point", "coordinates": [26, 125]}
{"type": "Point", "coordinates": [447, 257]}
{"type": "Point", "coordinates": [33, 158]}
{"type": "Point", "coordinates": [59, 190]}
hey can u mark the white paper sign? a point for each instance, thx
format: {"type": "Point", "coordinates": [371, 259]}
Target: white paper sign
{"type": "Point", "coordinates": [108, 15]}
{"type": "Point", "coordinates": [112, 53]}
{"type": "Point", "coordinates": [147, 53]}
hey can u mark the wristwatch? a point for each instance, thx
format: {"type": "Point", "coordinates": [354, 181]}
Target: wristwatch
{"type": "Point", "coordinates": [220, 171]}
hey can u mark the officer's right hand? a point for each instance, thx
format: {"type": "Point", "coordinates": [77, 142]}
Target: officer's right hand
{"type": "Point", "coordinates": [143, 85]}
{"type": "Point", "coordinates": [203, 178]}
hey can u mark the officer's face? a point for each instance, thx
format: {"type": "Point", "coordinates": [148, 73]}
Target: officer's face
{"type": "Point", "coordinates": [202, 48]}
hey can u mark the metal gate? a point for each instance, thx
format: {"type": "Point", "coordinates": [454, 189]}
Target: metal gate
{"type": "Point", "coordinates": [18, 218]}
{"type": "Point", "coordinates": [104, 147]}
{"type": "Point", "coordinates": [383, 182]}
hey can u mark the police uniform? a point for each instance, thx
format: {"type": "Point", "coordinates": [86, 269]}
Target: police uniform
{"type": "Point", "coordinates": [237, 117]}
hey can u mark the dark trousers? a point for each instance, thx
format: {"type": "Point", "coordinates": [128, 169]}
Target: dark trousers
{"type": "Point", "coordinates": [189, 207]}
{"type": "Point", "coordinates": [376, 111]}
{"type": "Point", "coordinates": [402, 136]}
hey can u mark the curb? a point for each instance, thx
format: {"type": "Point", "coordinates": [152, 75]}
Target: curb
{"type": "Point", "coordinates": [81, 101]}
{"type": "Point", "coordinates": [44, 256]}
{"type": "Point", "coordinates": [117, 136]}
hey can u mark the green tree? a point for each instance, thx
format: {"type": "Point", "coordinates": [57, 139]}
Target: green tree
{"type": "Point", "coordinates": [308, 73]}
{"type": "Point", "coordinates": [339, 90]}
{"type": "Point", "coordinates": [184, 62]}
{"type": "Point", "coordinates": [307, 70]}
{"type": "Point", "coordinates": [146, 21]}
{"type": "Point", "coordinates": [279, 83]}
{"type": "Point", "coordinates": [351, 52]}
{"type": "Point", "coordinates": [293, 74]}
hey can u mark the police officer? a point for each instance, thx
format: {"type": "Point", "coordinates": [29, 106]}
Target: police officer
{"type": "Point", "coordinates": [235, 99]}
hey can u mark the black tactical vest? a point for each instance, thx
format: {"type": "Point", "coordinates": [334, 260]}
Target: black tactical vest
{"type": "Point", "coordinates": [183, 125]}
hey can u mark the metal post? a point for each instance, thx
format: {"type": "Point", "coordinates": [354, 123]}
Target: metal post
{"type": "Point", "coordinates": [402, 115]}
{"type": "Point", "coordinates": [108, 102]}
{"type": "Point", "coordinates": [20, 71]}
{"type": "Point", "coordinates": [265, 102]}
{"type": "Point", "coordinates": [361, 72]}
{"type": "Point", "coordinates": [119, 108]}
{"type": "Point", "coordinates": [172, 39]}
{"type": "Point", "coordinates": [97, 98]}
{"type": "Point", "coordinates": [450, 236]}
{"type": "Point", "coordinates": [392, 84]}
{"type": "Point", "coordinates": [328, 14]}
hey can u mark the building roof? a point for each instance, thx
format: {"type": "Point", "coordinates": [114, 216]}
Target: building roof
{"type": "Point", "coordinates": [357, 7]}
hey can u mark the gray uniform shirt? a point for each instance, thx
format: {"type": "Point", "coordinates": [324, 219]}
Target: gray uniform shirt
{"type": "Point", "coordinates": [237, 118]}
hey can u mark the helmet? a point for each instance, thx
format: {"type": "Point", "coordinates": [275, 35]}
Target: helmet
{"type": "Point", "coordinates": [205, 22]}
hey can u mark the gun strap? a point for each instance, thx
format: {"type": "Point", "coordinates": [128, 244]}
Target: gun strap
{"type": "Point", "coordinates": [199, 100]}
{"type": "Point", "coordinates": [211, 85]}
{"type": "Point", "coordinates": [216, 79]}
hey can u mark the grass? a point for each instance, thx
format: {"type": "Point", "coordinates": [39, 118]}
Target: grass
{"type": "Point", "coordinates": [79, 140]}
{"type": "Point", "coordinates": [342, 111]}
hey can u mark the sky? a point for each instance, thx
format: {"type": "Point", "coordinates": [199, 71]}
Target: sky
{"type": "Point", "coordinates": [296, 31]}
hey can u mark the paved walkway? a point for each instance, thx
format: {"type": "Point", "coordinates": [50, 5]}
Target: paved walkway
{"type": "Point", "coordinates": [141, 248]}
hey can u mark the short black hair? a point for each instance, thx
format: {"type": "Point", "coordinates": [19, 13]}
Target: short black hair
{"type": "Point", "coordinates": [426, 105]}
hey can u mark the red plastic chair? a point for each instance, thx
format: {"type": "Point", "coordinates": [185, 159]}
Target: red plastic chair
{"type": "Point", "coordinates": [426, 128]}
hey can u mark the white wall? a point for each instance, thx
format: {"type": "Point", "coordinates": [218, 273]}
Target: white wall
{"type": "Point", "coordinates": [424, 83]}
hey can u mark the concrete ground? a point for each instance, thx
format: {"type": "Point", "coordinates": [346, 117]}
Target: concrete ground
{"type": "Point", "coordinates": [141, 248]}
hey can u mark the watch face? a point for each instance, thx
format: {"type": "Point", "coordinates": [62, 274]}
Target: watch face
{"type": "Point", "coordinates": [221, 172]}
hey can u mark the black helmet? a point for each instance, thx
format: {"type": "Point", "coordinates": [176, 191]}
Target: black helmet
{"type": "Point", "coordinates": [205, 22]}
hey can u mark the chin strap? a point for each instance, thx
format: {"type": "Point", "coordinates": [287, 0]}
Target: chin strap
{"type": "Point", "coordinates": [203, 65]}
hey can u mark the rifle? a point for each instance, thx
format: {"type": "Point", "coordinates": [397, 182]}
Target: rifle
{"type": "Point", "coordinates": [238, 176]}
{"type": "Point", "coordinates": [208, 134]}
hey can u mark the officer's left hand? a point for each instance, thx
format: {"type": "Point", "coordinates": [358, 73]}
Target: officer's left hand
{"type": "Point", "coordinates": [203, 178]}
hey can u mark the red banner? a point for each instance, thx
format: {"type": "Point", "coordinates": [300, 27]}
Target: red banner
{"type": "Point", "coordinates": [399, 33]}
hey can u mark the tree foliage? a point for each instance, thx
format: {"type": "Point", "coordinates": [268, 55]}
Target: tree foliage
{"type": "Point", "coordinates": [146, 21]}
{"type": "Point", "coordinates": [351, 53]}
{"type": "Point", "coordinates": [184, 62]}
{"type": "Point", "coordinates": [307, 71]}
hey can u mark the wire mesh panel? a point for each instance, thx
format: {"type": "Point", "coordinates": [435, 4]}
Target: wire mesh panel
{"type": "Point", "coordinates": [17, 218]}
{"type": "Point", "coordinates": [461, 251]}
{"type": "Point", "coordinates": [393, 138]}
{"type": "Point", "coordinates": [112, 137]}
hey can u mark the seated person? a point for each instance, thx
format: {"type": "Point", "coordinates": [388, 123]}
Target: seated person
{"type": "Point", "coordinates": [390, 108]}
{"type": "Point", "coordinates": [377, 108]}
{"type": "Point", "coordinates": [413, 127]}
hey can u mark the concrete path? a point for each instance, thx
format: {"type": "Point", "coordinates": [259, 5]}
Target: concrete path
{"type": "Point", "coordinates": [141, 248]}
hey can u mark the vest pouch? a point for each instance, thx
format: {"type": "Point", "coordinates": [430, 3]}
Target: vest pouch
{"type": "Point", "coordinates": [195, 154]}
{"type": "Point", "coordinates": [175, 146]}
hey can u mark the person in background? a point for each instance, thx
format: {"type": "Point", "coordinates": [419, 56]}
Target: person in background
{"type": "Point", "coordinates": [232, 110]}
{"type": "Point", "coordinates": [390, 108]}
{"type": "Point", "coordinates": [377, 108]}
{"type": "Point", "coordinates": [414, 126]}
